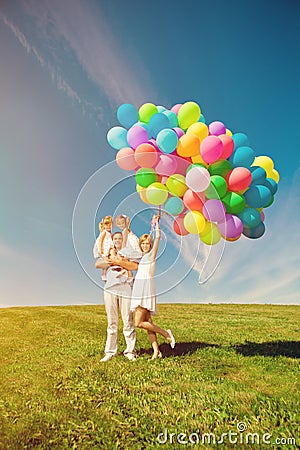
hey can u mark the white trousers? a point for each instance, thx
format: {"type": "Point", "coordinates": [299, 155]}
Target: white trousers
{"type": "Point", "coordinates": [113, 301]}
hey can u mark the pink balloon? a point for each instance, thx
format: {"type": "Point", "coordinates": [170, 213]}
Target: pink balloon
{"type": "Point", "coordinates": [179, 132]}
{"type": "Point", "coordinates": [228, 145]}
{"type": "Point", "coordinates": [166, 164]}
{"type": "Point", "coordinates": [217, 128]}
{"type": "Point", "coordinates": [262, 215]}
{"type": "Point", "coordinates": [211, 148]}
{"type": "Point", "coordinates": [182, 164]}
{"type": "Point", "coordinates": [232, 226]}
{"type": "Point", "coordinates": [198, 179]}
{"type": "Point", "coordinates": [137, 135]}
{"type": "Point", "coordinates": [214, 210]}
{"type": "Point", "coordinates": [153, 142]}
{"type": "Point", "coordinates": [176, 108]}
{"type": "Point", "coordinates": [125, 159]}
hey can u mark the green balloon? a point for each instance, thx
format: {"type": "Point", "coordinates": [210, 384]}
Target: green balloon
{"type": "Point", "coordinates": [195, 165]}
{"type": "Point", "coordinates": [217, 188]}
{"type": "Point", "coordinates": [234, 203]}
{"type": "Point", "coordinates": [146, 111]}
{"type": "Point", "coordinates": [270, 202]}
{"type": "Point", "coordinates": [145, 176]}
{"type": "Point", "coordinates": [221, 167]}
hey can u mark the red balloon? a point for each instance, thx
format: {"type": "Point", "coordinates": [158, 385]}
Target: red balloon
{"type": "Point", "coordinates": [228, 145]}
{"type": "Point", "coordinates": [194, 200]}
{"type": "Point", "coordinates": [146, 155]}
{"type": "Point", "coordinates": [179, 227]}
{"type": "Point", "coordinates": [238, 179]}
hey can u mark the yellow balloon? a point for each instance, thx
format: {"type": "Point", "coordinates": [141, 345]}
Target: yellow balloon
{"type": "Point", "coordinates": [157, 193]}
{"type": "Point", "coordinates": [188, 113]}
{"type": "Point", "coordinates": [274, 175]}
{"type": "Point", "coordinates": [194, 222]}
{"type": "Point", "coordinates": [199, 129]}
{"type": "Point", "coordinates": [139, 188]}
{"type": "Point", "coordinates": [176, 184]}
{"type": "Point", "coordinates": [228, 132]}
{"type": "Point", "coordinates": [265, 162]}
{"type": "Point", "coordinates": [231, 239]}
{"type": "Point", "coordinates": [198, 159]}
{"type": "Point", "coordinates": [211, 234]}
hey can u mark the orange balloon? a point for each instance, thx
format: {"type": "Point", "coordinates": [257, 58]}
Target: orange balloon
{"type": "Point", "coordinates": [188, 145]}
{"type": "Point", "coordinates": [146, 155]}
{"type": "Point", "coordinates": [143, 196]}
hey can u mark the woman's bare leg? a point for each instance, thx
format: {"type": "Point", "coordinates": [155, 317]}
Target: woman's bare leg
{"type": "Point", "coordinates": [152, 337]}
{"type": "Point", "coordinates": [142, 322]}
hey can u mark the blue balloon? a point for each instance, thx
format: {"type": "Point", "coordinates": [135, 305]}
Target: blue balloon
{"type": "Point", "coordinates": [158, 122]}
{"type": "Point", "coordinates": [117, 138]}
{"type": "Point", "coordinates": [173, 119]}
{"type": "Point", "coordinates": [250, 217]}
{"type": "Point", "coordinates": [141, 124]}
{"type": "Point", "coordinates": [127, 115]}
{"type": "Point", "coordinates": [174, 206]}
{"type": "Point", "coordinates": [258, 175]}
{"type": "Point", "coordinates": [242, 157]}
{"type": "Point", "coordinates": [272, 185]}
{"type": "Point", "coordinates": [202, 119]}
{"type": "Point", "coordinates": [240, 140]}
{"type": "Point", "coordinates": [256, 232]}
{"type": "Point", "coordinates": [167, 140]}
{"type": "Point", "coordinates": [161, 108]}
{"type": "Point", "coordinates": [258, 196]}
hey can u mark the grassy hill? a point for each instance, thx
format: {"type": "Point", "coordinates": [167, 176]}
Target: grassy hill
{"type": "Point", "coordinates": [235, 370]}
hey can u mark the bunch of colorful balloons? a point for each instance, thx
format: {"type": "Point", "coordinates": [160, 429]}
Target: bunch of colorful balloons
{"type": "Point", "coordinates": [205, 176]}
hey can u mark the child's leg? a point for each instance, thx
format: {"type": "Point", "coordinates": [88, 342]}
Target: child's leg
{"type": "Point", "coordinates": [103, 275]}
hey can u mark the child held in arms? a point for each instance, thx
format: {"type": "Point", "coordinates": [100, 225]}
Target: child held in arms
{"type": "Point", "coordinates": [104, 242]}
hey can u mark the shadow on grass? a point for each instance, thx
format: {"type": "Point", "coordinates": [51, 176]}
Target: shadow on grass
{"type": "Point", "coordinates": [290, 349]}
{"type": "Point", "coordinates": [181, 348]}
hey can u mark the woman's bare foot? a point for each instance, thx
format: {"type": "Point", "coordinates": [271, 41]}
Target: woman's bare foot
{"type": "Point", "coordinates": [171, 339]}
{"type": "Point", "coordinates": [156, 355]}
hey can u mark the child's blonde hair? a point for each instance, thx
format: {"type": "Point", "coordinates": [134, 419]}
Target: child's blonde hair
{"type": "Point", "coordinates": [146, 237]}
{"type": "Point", "coordinates": [107, 220]}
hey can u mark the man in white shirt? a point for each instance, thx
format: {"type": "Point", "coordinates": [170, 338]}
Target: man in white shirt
{"type": "Point", "coordinates": [118, 295]}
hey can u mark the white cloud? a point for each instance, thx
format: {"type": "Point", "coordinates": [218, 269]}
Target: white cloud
{"type": "Point", "coordinates": [82, 29]}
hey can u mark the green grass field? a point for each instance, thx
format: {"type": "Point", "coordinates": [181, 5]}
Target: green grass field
{"type": "Point", "coordinates": [234, 367]}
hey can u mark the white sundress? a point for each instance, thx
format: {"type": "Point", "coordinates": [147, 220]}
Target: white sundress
{"type": "Point", "coordinates": [106, 245]}
{"type": "Point", "coordinates": [132, 249]}
{"type": "Point", "coordinates": [143, 291]}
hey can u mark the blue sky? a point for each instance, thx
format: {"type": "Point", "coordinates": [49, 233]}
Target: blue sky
{"type": "Point", "coordinates": [67, 66]}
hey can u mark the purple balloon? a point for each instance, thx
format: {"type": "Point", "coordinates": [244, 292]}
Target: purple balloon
{"type": "Point", "coordinates": [232, 226]}
{"type": "Point", "coordinates": [216, 128]}
{"type": "Point", "coordinates": [179, 132]}
{"type": "Point", "coordinates": [214, 210]}
{"type": "Point", "coordinates": [137, 135]}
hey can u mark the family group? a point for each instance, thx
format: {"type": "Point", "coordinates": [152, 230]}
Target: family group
{"type": "Point", "coordinates": [119, 254]}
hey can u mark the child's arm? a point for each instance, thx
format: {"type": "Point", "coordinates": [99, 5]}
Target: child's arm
{"type": "Point", "coordinates": [125, 237]}
{"type": "Point", "coordinates": [125, 232]}
{"type": "Point", "coordinates": [100, 242]}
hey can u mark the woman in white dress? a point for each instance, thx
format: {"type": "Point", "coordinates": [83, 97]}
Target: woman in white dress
{"type": "Point", "coordinates": [143, 300]}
